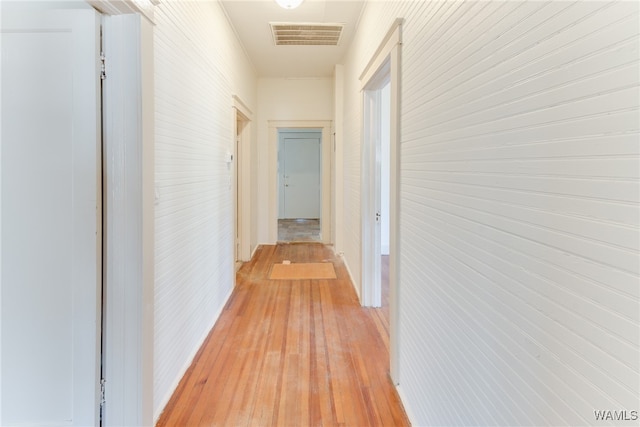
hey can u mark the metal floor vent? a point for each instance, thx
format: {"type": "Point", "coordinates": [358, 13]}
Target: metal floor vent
{"type": "Point", "coordinates": [305, 34]}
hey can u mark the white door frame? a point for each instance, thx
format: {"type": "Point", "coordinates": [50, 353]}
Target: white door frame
{"type": "Point", "coordinates": [128, 108]}
{"type": "Point", "coordinates": [384, 64]}
{"type": "Point", "coordinates": [242, 179]}
{"type": "Point", "coordinates": [325, 203]}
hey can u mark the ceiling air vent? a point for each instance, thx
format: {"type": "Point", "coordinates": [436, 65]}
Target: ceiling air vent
{"type": "Point", "coordinates": [297, 34]}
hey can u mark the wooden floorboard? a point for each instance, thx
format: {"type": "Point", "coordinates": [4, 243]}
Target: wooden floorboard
{"type": "Point", "coordinates": [291, 353]}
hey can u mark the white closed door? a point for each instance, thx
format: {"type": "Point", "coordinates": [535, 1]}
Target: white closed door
{"type": "Point", "coordinates": [50, 215]}
{"type": "Point", "coordinates": [300, 177]}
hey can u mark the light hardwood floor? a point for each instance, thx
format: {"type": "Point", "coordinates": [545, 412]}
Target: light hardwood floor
{"type": "Point", "coordinates": [290, 353]}
{"type": "Point", "coordinates": [380, 316]}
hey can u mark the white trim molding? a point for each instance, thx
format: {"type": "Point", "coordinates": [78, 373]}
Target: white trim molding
{"type": "Point", "coordinates": [239, 105]}
{"type": "Point", "coordinates": [392, 39]}
{"type": "Point", "coordinates": [123, 7]}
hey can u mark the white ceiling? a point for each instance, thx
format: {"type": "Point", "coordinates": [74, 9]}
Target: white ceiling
{"type": "Point", "coordinates": [251, 19]}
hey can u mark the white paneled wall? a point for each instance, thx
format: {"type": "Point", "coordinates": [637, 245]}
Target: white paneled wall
{"type": "Point", "coordinates": [199, 65]}
{"type": "Point", "coordinates": [519, 293]}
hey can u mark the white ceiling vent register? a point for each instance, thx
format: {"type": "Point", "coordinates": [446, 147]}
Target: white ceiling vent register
{"type": "Point", "coordinates": [306, 34]}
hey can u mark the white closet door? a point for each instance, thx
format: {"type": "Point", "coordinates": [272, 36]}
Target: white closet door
{"type": "Point", "coordinates": [51, 215]}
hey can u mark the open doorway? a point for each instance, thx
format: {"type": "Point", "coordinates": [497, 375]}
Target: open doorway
{"type": "Point", "coordinates": [241, 123]}
{"type": "Point", "coordinates": [299, 185]}
{"type": "Point", "coordinates": [275, 126]}
{"type": "Point", "coordinates": [376, 130]}
{"type": "Point", "coordinates": [380, 85]}
{"type": "Point", "coordinates": [385, 187]}
{"type": "Point", "coordinates": [241, 181]}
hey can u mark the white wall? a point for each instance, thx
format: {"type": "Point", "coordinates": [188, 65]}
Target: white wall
{"type": "Point", "coordinates": [286, 100]}
{"type": "Point", "coordinates": [199, 65]}
{"type": "Point", "coordinates": [519, 207]}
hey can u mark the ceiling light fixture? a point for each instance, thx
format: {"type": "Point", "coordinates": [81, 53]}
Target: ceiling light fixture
{"type": "Point", "coordinates": [289, 4]}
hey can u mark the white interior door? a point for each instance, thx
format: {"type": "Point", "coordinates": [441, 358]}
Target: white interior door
{"type": "Point", "coordinates": [51, 215]}
{"type": "Point", "coordinates": [371, 201]}
{"type": "Point", "coordinates": [385, 167]}
{"type": "Point", "coordinates": [300, 176]}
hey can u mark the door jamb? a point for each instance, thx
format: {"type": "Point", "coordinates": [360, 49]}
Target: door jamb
{"type": "Point", "coordinates": [129, 216]}
{"type": "Point", "coordinates": [389, 52]}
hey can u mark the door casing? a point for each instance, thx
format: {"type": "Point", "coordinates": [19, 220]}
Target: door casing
{"type": "Point", "coordinates": [384, 65]}
{"type": "Point", "coordinates": [371, 191]}
{"type": "Point", "coordinates": [326, 167]}
{"type": "Point", "coordinates": [242, 120]}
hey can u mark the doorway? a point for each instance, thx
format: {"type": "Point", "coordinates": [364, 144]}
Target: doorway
{"type": "Point", "coordinates": [241, 181]}
{"type": "Point", "coordinates": [385, 185]}
{"type": "Point", "coordinates": [275, 178]}
{"type": "Point", "coordinates": [382, 71]}
{"type": "Point", "coordinates": [375, 187]}
{"type": "Point", "coordinates": [240, 125]}
{"type": "Point", "coordinates": [299, 184]}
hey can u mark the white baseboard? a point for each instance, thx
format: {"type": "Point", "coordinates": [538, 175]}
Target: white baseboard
{"type": "Point", "coordinates": [403, 399]}
{"type": "Point", "coordinates": [253, 253]}
{"type": "Point", "coordinates": [346, 265]}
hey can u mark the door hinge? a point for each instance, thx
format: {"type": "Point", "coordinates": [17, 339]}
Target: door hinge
{"type": "Point", "coordinates": [102, 397]}
{"type": "Point", "coordinates": [103, 66]}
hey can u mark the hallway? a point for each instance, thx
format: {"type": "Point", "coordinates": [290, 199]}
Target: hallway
{"type": "Point", "coordinates": [290, 353]}
{"type": "Point", "coordinates": [514, 221]}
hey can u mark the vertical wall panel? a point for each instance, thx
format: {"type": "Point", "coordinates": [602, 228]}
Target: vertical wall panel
{"type": "Point", "coordinates": [199, 66]}
{"type": "Point", "coordinates": [519, 300]}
